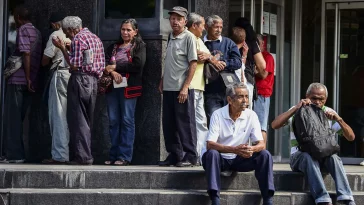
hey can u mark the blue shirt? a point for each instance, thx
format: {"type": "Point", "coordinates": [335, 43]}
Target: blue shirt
{"type": "Point", "coordinates": [229, 53]}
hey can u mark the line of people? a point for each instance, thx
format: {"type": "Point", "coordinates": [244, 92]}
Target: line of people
{"type": "Point", "coordinates": [206, 122]}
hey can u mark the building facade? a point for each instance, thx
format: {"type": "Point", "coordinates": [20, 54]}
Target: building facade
{"type": "Point", "coordinates": [312, 41]}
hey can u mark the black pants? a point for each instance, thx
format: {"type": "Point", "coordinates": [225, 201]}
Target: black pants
{"type": "Point", "coordinates": [261, 162]}
{"type": "Point", "coordinates": [81, 99]}
{"type": "Point", "coordinates": [214, 101]}
{"type": "Point", "coordinates": [179, 126]}
{"type": "Point", "coordinates": [17, 102]}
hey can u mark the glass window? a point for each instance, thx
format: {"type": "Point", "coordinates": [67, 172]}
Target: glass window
{"type": "Point", "coordinates": [116, 9]}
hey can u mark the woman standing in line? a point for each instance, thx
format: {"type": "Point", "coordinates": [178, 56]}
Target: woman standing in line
{"type": "Point", "coordinates": [126, 59]}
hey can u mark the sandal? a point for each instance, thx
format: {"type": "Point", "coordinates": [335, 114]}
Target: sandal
{"type": "Point", "coordinates": [109, 162]}
{"type": "Point", "coordinates": [121, 162]}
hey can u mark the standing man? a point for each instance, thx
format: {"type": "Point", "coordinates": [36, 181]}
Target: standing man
{"type": "Point", "coordinates": [265, 89]}
{"type": "Point", "coordinates": [57, 100]}
{"type": "Point", "coordinates": [231, 128]}
{"type": "Point", "coordinates": [196, 25]}
{"type": "Point", "coordinates": [21, 85]}
{"type": "Point", "coordinates": [179, 123]}
{"type": "Point", "coordinates": [87, 62]}
{"type": "Point", "coordinates": [227, 58]}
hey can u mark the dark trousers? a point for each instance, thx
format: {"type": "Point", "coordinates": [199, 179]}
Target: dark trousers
{"type": "Point", "coordinates": [214, 101]}
{"type": "Point", "coordinates": [81, 99]}
{"type": "Point", "coordinates": [17, 102]}
{"type": "Point", "coordinates": [261, 162]}
{"type": "Point", "coordinates": [179, 126]}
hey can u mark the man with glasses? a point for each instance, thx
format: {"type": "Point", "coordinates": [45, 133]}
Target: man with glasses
{"type": "Point", "coordinates": [303, 162]}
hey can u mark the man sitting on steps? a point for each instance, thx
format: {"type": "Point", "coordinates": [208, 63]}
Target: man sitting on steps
{"type": "Point", "coordinates": [231, 127]}
{"type": "Point", "coordinates": [303, 162]}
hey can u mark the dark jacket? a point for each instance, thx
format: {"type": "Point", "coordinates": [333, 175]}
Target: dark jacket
{"type": "Point", "coordinates": [132, 70]}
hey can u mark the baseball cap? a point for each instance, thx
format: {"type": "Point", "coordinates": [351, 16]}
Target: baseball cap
{"type": "Point", "coordinates": [179, 10]}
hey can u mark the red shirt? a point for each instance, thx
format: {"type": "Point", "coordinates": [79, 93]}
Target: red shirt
{"type": "Point", "coordinates": [85, 40]}
{"type": "Point", "coordinates": [265, 87]}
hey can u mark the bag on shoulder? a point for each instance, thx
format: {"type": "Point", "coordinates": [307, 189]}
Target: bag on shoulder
{"type": "Point", "coordinates": [313, 132]}
{"type": "Point", "coordinates": [210, 72]}
{"type": "Point", "coordinates": [12, 65]}
{"type": "Point", "coordinates": [229, 78]}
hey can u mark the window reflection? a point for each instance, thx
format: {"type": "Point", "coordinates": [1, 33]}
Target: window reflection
{"type": "Point", "coordinates": [116, 9]}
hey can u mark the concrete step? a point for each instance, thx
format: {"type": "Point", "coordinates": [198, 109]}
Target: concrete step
{"type": "Point", "coordinates": [149, 177]}
{"type": "Point", "coordinates": [147, 197]}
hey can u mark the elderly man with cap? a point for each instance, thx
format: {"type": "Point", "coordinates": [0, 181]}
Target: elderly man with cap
{"type": "Point", "coordinates": [179, 123]}
{"type": "Point", "coordinates": [57, 92]}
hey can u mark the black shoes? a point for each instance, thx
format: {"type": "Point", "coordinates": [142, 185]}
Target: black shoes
{"type": "Point", "coordinates": [166, 163]}
{"type": "Point", "coordinates": [186, 164]}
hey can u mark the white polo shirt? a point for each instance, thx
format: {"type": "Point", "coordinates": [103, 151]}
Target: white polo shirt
{"type": "Point", "coordinates": [225, 131]}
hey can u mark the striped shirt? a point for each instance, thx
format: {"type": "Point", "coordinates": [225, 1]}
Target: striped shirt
{"type": "Point", "coordinates": [335, 126]}
{"type": "Point", "coordinates": [26, 38]}
{"type": "Point", "coordinates": [86, 42]}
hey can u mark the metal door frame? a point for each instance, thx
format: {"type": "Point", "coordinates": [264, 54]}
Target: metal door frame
{"type": "Point", "coordinates": [336, 5]}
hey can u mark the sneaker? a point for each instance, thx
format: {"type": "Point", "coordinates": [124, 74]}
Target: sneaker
{"type": "Point", "coordinates": [226, 173]}
{"type": "Point", "coordinates": [347, 202]}
{"type": "Point", "coordinates": [14, 161]}
{"type": "Point", "coordinates": [362, 163]}
{"type": "Point", "coordinates": [3, 160]}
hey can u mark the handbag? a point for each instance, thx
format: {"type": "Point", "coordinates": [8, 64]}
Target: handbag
{"type": "Point", "coordinates": [104, 83]}
{"type": "Point", "coordinates": [210, 72]}
{"type": "Point", "coordinates": [14, 63]}
{"type": "Point", "coordinates": [229, 78]}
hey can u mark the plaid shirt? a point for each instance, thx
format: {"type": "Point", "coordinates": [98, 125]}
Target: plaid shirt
{"type": "Point", "coordinates": [83, 41]}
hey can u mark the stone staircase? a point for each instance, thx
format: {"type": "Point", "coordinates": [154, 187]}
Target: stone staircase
{"type": "Point", "coordinates": [150, 185]}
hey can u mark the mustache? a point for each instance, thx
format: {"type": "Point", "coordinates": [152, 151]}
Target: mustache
{"type": "Point", "coordinates": [245, 104]}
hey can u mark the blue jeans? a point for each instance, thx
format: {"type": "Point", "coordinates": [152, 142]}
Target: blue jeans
{"type": "Point", "coordinates": [261, 107]}
{"type": "Point", "coordinates": [303, 162]}
{"type": "Point", "coordinates": [122, 124]}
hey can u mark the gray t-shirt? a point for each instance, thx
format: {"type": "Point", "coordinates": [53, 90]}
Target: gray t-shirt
{"type": "Point", "coordinates": [181, 50]}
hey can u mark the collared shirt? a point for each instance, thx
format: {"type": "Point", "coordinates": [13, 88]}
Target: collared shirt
{"type": "Point", "coordinates": [335, 126]}
{"type": "Point", "coordinates": [198, 81]}
{"type": "Point", "coordinates": [28, 40]}
{"type": "Point", "coordinates": [181, 51]}
{"type": "Point", "coordinates": [205, 39]}
{"type": "Point", "coordinates": [225, 131]}
{"type": "Point", "coordinates": [87, 42]}
{"type": "Point", "coordinates": [53, 52]}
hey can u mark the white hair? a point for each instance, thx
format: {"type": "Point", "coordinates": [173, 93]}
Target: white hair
{"type": "Point", "coordinates": [211, 20]}
{"type": "Point", "coordinates": [73, 22]}
{"type": "Point", "coordinates": [230, 90]}
{"type": "Point", "coordinates": [316, 86]}
{"type": "Point", "coordinates": [193, 18]}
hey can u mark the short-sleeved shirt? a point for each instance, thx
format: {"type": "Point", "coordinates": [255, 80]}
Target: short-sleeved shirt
{"type": "Point", "coordinates": [53, 52]}
{"type": "Point", "coordinates": [198, 81]}
{"type": "Point", "coordinates": [181, 50]}
{"type": "Point", "coordinates": [335, 126]}
{"type": "Point", "coordinates": [225, 131]}
{"type": "Point", "coordinates": [28, 40]}
{"type": "Point", "coordinates": [265, 86]}
{"type": "Point", "coordinates": [87, 42]}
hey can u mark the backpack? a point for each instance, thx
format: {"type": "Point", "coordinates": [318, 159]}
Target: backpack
{"type": "Point", "coordinates": [313, 132]}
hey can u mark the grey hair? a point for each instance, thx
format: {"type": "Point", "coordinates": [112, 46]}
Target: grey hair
{"type": "Point", "coordinates": [230, 90]}
{"type": "Point", "coordinates": [210, 20]}
{"type": "Point", "coordinates": [193, 18]}
{"type": "Point", "coordinates": [316, 86]}
{"type": "Point", "coordinates": [260, 37]}
{"type": "Point", "coordinates": [72, 22]}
